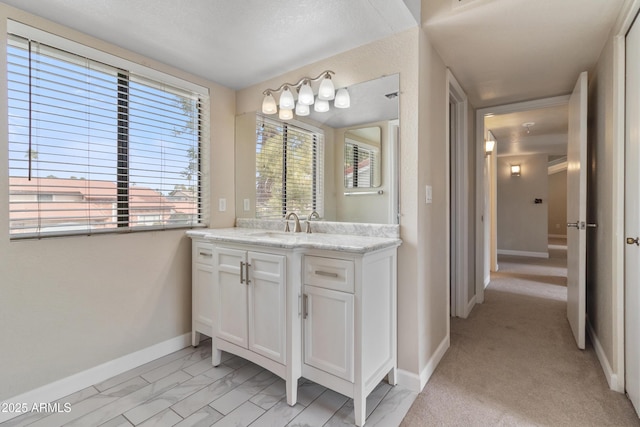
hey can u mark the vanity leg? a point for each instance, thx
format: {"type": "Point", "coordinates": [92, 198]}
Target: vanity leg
{"type": "Point", "coordinates": [392, 376]}
{"type": "Point", "coordinates": [360, 408]}
{"type": "Point", "coordinates": [216, 355]}
{"type": "Point", "coordinates": [195, 338]}
{"type": "Point", "coordinates": [292, 392]}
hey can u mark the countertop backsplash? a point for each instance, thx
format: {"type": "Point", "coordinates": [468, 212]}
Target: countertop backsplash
{"type": "Point", "coordinates": [328, 227]}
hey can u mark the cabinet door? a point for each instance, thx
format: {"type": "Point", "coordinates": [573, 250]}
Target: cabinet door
{"type": "Point", "coordinates": [230, 296]}
{"type": "Point", "coordinates": [203, 298]}
{"type": "Point", "coordinates": [328, 331]}
{"type": "Point", "coordinates": [267, 305]}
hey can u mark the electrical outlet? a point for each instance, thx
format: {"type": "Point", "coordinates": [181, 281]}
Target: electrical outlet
{"type": "Point", "coordinates": [429, 194]}
{"type": "Point", "coordinates": [222, 204]}
{"type": "Point", "coordinates": [247, 205]}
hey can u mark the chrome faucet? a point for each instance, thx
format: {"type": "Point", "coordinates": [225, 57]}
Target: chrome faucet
{"type": "Point", "coordinates": [309, 218]}
{"type": "Point", "coordinates": [297, 229]}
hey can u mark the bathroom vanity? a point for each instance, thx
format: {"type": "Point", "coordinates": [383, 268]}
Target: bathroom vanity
{"type": "Point", "coordinates": [320, 306]}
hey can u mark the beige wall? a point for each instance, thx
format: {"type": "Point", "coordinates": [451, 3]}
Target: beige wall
{"type": "Point", "coordinates": [70, 304]}
{"type": "Point", "coordinates": [600, 184]}
{"type": "Point", "coordinates": [116, 294]}
{"type": "Point", "coordinates": [522, 224]}
{"type": "Point", "coordinates": [558, 203]}
{"type": "Point", "coordinates": [422, 282]}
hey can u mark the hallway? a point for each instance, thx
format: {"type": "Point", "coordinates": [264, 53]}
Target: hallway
{"type": "Point", "coordinates": [514, 360]}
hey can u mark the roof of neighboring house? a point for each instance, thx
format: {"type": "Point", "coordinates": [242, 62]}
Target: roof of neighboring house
{"type": "Point", "coordinates": [99, 197]}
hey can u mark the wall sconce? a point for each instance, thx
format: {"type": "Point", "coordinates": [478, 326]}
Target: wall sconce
{"type": "Point", "coordinates": [306, 98]}
{"type": "Point", "coordinates": [489, 145]}
{"type": "Point", "coordinates": [515, 170]}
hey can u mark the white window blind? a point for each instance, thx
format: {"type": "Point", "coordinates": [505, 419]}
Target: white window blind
{"type": "Point", "coordinates": [360, 164]}
{"type": "Point", "coordinates": [289, 169]}
{"type": "Point", "coordinates": [98, 148]}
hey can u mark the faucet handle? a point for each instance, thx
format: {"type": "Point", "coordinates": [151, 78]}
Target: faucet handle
{"type": "Point", "coordinates": [286, 227]}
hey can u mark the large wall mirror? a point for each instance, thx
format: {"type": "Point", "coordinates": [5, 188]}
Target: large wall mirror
{"type": "Point", "coordinates": [355, 172]}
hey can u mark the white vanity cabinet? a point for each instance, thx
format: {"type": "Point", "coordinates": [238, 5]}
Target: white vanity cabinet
{"type": "Point", "coordinates": [202, 290]}
{"type": "Point", "coordinates": [349, 316]}
{"type": "Point", "coordinates": [249, 298]}
{"type": "Point", "coordinates": [322, 306]}
{"type": "Point", "coordinates": [256, 310]}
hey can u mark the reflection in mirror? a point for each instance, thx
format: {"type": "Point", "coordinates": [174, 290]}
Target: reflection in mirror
{"type": "Point", "coordinates": [372, 198]}
{"type": "Point", "coordinates": [362, 158]}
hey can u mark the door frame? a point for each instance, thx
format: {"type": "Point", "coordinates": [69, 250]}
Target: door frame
{"type": "Point", "coordinates": [483, 211]}
{"type": "Point", "coordinates": [462, 305]}
{"type": "Point", "coordinates": [616, 377]}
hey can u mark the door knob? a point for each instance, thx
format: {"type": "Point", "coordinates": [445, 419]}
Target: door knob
{"type": "Point", "coordinates": [631, 241]}
{"type": "Point", "coordinates": [574, 224]}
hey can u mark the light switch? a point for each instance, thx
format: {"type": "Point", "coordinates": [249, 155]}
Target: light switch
{"type": "Point", "coordinates": [247, 204]}
{"type": "Point", "coordinates": [428, 194]}
{"type": "Point", "coordinates": [222, 204]}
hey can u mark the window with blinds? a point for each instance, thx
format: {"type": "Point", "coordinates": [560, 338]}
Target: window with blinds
{"type": "Point", "coordinates": [99, 148]}
{"type": "Point", "coordinates": [289, 169]}
{"type": "Point", "coordinates": [361, 165]}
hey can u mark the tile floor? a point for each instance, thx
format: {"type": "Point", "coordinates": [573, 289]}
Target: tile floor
{"type": "Point", "coordinates": [183, 389]}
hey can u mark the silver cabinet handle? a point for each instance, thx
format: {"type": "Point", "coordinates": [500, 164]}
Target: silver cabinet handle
{"type": "Point", "coordinates": [241, 272]}
{"type": "Point", "coordinates": [325, 273]}
{"type": "Point", "coordinates": [207, 254]}
{"type": "Point", "coordinates": [305, 306]}
{"type": "Point", "coordinates": [246, 273]}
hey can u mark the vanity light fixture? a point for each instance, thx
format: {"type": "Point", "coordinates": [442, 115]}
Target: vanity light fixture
{"type": "Point", "coordinates": [515, 170]}
{"type": "Point", "coordinates": [287, 104]}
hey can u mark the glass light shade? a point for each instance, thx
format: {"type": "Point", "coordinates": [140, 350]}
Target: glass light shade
{"type": "Point", "coordinates": [269, 105]}
{"type": "Point", "coordinates": [286, 100]}
{"type": "Point", "coordinates": [343, 100]}
{"type": "Point", "coordinates": [302, 109]}
{"type": "Point", "coordinates": [285, 114]}
{"type": "Point", "coordinates": [489, 146]}
{"type": "Point", "coordinates": [305, 96]}
{"type": "Point", "coordinates": [515, 170]}
{"type": "Point", "coordinates": [326, 91]}
{"type": "Point", "coordinates": [321, 105]}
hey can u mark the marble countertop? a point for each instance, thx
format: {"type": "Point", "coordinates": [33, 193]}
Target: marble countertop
{"type": "Point", "coordinates": [291, 240]}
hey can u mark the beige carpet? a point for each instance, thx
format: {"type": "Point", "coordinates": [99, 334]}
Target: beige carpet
{"type": "Point", "coordinates": [514, 361]}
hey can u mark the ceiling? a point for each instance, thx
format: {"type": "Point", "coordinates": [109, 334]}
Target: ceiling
{"type": "Point", "coordinates": [547, 135]}
{"type": "Point", "coordinates": [236, 43]}
{"type": "Point", "coordinates": [501, 51]}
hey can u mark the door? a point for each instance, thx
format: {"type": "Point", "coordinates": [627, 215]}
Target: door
{"type": "Point", "coordinates": [632, 218]}
{"type": "Point", "coordinates": [230, 293]}
{"type": "Point", "coordinates": [267, 301]}
{"type": "Point", "coordinates": [577, 210]}
{"type": "Point", "coordinates": [328, 331]}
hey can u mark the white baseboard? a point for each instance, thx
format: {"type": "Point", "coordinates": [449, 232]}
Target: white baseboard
{"type": "Point", "coordinates": [487, 280]}
{"type": "Point", "coordinates": [415, 382]}
{"type": "Point", "coordinates": [561, 236]}
{"type": "Point", "coordinates": [612, 377]}
{"type": "Point", "coordinates": [66, 386]}
{"type": "Point", "coordinates": [469, 307]}
{"type": "Point", "coordinates": [523, 253]}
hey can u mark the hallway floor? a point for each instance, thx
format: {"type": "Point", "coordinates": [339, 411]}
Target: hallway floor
{"type": "Point", "coordinates": [514, 360]}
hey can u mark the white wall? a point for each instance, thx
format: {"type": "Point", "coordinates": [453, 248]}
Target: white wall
{"type": "Point", "coordinates": [70, 304]}
{"type": "Point", "coordinates": [558, 204]}
{"type": "Point", "coordinates": [601, 180]}
{"type": "Point", "coordinates": [522, 224]}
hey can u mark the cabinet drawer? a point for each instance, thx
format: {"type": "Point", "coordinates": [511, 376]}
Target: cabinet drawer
{"type": "Point", "coordinates": [329, 273]}
{"type": "Point", "coordinates": [203, 252]}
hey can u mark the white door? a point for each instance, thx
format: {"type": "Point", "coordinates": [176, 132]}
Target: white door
{"type": "Point", "coordinates": [267, 302]}
{"type": "Point", "coordinates": [230, 293]}
{"type": "Point", "coordinates": [577, 209]}
{"type": "Point", "coordinates": [328, 331]}
{"type": "Point", "coordinates": [632, 218]}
